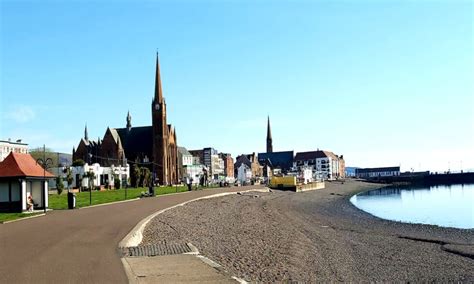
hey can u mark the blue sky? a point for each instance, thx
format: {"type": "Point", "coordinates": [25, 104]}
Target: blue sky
{"type": "Point", "coordinates": [381, 82]}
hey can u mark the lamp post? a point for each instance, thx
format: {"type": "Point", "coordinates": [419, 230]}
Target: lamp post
{"type": "Point", "coordinates": [91, 175]}
{"type": "Point", "coordinates": [45, 163]}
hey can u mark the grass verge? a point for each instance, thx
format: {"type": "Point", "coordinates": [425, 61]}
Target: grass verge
{"type": "Point", "coordinates": [98, 197]}
{"type": "Point", "coordinates": [108, 196]}
{"type": "Point", "coordinates": [5, 217]}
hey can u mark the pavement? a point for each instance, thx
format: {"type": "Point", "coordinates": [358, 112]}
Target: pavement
{"type": "Point", "coordinates": [171, 263]}
{"type": "Point", "coordinates": [179, 268]}
{"type": "Point", "coordinates": [80, 246]}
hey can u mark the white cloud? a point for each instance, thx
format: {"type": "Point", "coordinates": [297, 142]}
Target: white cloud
{"type": "Point", "coordinates": [21, 114]}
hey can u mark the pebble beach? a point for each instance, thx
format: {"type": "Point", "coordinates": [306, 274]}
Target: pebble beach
{"type": "Point", "coordinates": [315, 236]}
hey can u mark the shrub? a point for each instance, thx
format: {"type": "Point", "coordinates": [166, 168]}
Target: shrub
{"type": "Point", "coordinates": [59, 184]}
{"type": "Point", "coordinates": [69, 177]}
{"type": "Point", "coordinates": [78, 163]}
{"type": "Point", "coordinates": [116, 182]}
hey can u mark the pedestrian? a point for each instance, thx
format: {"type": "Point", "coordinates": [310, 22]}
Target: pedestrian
{"type": "Point", "coordinates": [151, 191]}
{"type": "Point", "coordinates": [188, 181]}
{"type": "Point", "coordinates": [29, 204]}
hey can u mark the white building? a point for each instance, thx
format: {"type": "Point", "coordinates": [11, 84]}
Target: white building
{"type": "Point", "coordinates": [7, 146]}
{"type": "Point", "coordinates": [369, 173]}
{"type": "Point", "coordinates": [217, 167]}
{"type": "Point", "coordinates": [194, 172]}
{"type": "Point", "coordinates": [209, 157]}
{"type": "Point", "coordinates": [325, 164]}
{"type": "Point", "coordinates": [104, 176]}
{"type": "Point", "coordinates": [185, 159]}
{"type": "Point", "coordinates": [305, 175]}
{"type": "Point", "coordinates": [244, 174]}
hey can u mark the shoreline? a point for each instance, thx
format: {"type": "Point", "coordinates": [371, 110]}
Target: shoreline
{"type": "Point", "coordinates": [315, 236]}
{"type": "Point", "coordinates": [416, 218]}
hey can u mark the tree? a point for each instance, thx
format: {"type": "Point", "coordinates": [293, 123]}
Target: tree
{"type": "Point", "coordinates": [78, 163]}
{"type": "Point", "coordinates": [116, 181]}
{"type": "Point", "coordinates": [69, 178]}
{"type": "Point", "coordinates": [145, 176]}
{"type": "Point", "coordinates": [90, 178]}
{"type": "Point", "coordinates": [59, 184]}
{"type": "Point", "coordinates": [37, 153]}
{"type": "Point", "coordinates": [136, 175]}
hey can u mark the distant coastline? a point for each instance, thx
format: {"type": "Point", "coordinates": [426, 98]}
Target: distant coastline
{"type": "Point", "coordinates": [426, 178]}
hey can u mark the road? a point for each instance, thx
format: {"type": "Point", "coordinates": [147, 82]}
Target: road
{"type": "Point", "coordinates": [78, 246]}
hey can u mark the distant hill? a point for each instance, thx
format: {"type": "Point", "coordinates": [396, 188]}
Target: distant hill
{"type": "Point", "coordinates": [65, 159]}
{"type": "Point", "coordinates": [59, 159]}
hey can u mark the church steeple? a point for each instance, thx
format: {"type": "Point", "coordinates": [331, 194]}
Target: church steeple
{"type": "Point", "coordinates": [269, 137]}
{"type": "Point", "coordinates": [160, 131]}
{"type": "Point", "coordinates": [158, 90]}
{"type": "Point", "coordinates": [129, 121]}
{"type": "Point", "coordinates": [86, 136]}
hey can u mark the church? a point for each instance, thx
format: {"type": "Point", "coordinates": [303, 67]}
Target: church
{"type": "Point", "coordinates": [154, 147]}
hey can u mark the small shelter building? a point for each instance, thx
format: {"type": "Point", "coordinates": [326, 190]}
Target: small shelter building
{"type": "Point", "coordinates": [21, 177]}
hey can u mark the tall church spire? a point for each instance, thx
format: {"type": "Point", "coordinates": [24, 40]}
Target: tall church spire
{"type": "Point", "coordinates": [129, 121]}
{"type": "Point", "coordinates": [269, 137]}
{"type": "Point", "coordinates": [86, 137]}
{"type": "Point", "coordinates": [158, 89]}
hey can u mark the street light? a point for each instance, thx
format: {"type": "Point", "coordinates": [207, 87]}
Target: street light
{"type": "Point", "coordinates": [45, 163]}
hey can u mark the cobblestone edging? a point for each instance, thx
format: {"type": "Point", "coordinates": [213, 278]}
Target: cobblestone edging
{"type": "Point", "coordinates": [155, 250]}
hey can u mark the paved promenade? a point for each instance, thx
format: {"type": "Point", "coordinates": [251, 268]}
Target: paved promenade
{"type": "Point", "coordinates": [78, 246]}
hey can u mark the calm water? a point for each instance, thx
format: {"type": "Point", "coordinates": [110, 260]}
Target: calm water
{"type": "Point", "coordinates": [447, 206]}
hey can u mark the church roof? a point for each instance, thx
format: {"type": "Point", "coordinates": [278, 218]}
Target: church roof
{"type": "Point", "coordinates": [266, 162]}
{"type": "Point", "coordinates": [115, 135]}
{"type": "Point", "coordinates": [89, 143]}
{"type": "Point", "coordinates": [137, 140]}
{"type": "Point", "coordinates": [283, 160]}
{"type": "Point", "coordinates": [304, 156]}
{"type": "Point", "coordinates": [21, 165]}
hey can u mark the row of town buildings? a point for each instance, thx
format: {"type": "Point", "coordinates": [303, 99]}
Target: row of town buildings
{"type": "Point", "coordinates": [193, 164]}
{"type": "Point", "coordinates": [322, 165]}
{"type": "Point", "coordinates": [156, 147]}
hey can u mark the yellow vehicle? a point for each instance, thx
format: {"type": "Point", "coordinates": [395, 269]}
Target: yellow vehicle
{"type": "Point", "coordinates": [291, 183]}
{"type": "Point", "coordinates": [284, 182]}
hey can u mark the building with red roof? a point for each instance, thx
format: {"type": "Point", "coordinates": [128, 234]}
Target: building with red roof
{"type": "Point", "coordinates": [325, 164]}
{"type": "Point", "coordinates": [20, 177]}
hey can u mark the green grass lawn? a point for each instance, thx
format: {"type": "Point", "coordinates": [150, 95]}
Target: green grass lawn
{"type": "Point", "coordinates": [12, 216]}
{"type": "Point", "coordinates": [100, 197]}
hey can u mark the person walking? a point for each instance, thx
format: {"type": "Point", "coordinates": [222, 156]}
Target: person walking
{"type": "Point", "coordinates": [29, 203]}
